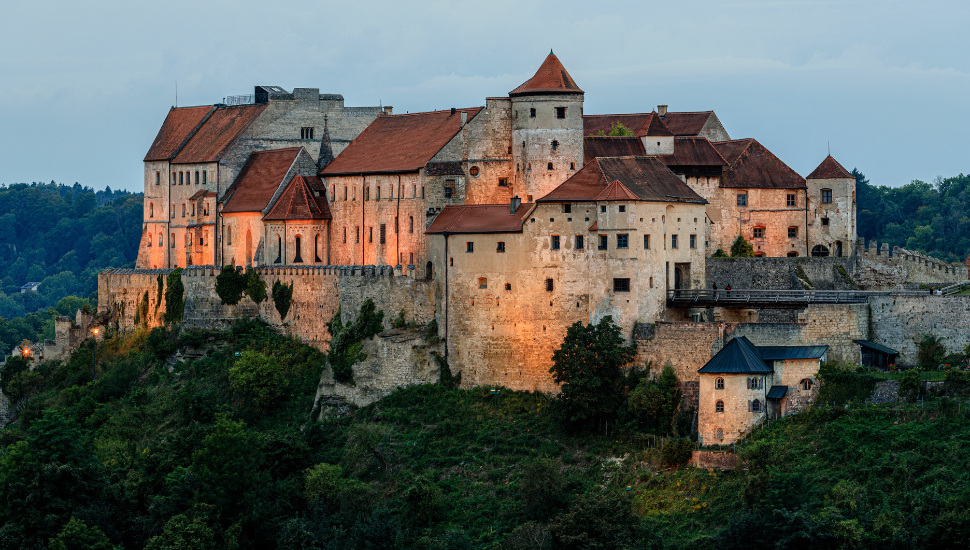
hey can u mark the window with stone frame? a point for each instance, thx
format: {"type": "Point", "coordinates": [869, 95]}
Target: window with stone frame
{"type": "Point", "coordinates": [755, 405]}
{"type": "Point", "coordinates": [160, 239]}
{"type": "Point", "coordinates": [560, 112]}
{"type": "Point", "coordinates": [503, 182]}
{"type": "Point", "coordinates": [549, 285]}
{"type": "Point", "coordinates": [500, 246]}
{"type": "Point", "coordinates": [158, 178]}
{"type": "Point", "coordinates": [646, 242]}
{"type": "Point", "coordinates": [806, 384]}
{"type": "Point", "coordinates": [719, 384]}
{"type": "Point", "coordinates": [469, 246]}
{"type": "Point", "coordinates": [410, 224]}
{"type": "Point", "coordinates": [623, 240]}
{"type": "Point", "coordinates": [790, 200]}
{"type": "Point", "coordinates": [719, 407]}
{"type": "Point", "coordinates": [826, 196]}
{"type": "Point", "coordinates": [693, 241]}
{"type": "Point", "coordinates": [370, 233]}
{"type": "Point", "coordinates": [554, 242]}
{"type": "Point", "coordinates": [792, 232]}
{"type": "Point", "coordinates": [621, 208]}
{"type": "Point", "coordinates": [742, 199]}
{"type": "Point", "coordinates": [621, 285]}
{"type": "Point", "coordinates": [567, 208]}
{"type": "Point", "coordinates": [719, 433]}
{"type": "Point", "coordinates": [449, 188]}
{"type": "Point", "coordinates": [482, 282]}
{"type": "Point", "coordinates": [825, 222]}
{"type": "Point", "coordinates": [604, 242]}
{"type": "Point", "coordinates": [673, 241]}
{"type": "Point", "coordinates": [532, 112]}
{"type": "Point", "coordinates": [579, 242]}
{"type": "Point", "coordinates": [758, 233]}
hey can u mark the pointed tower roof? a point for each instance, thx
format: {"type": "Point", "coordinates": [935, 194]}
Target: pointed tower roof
{"type": "Point", "coordinates": [551, 78]}
{"type": "Point", "coordinates": [830, 169]}
{"type": "Point", "coordinates": [326, 149]}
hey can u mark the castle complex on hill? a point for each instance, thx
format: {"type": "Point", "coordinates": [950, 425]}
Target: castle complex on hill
{"type": "Point", "coordinates": [506, 223]}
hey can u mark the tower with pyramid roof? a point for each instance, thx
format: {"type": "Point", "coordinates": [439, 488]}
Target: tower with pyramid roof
{"type": "Point", "coordinates": [832, 203]}
{"type": "Point", "coordinates": [547, 130]}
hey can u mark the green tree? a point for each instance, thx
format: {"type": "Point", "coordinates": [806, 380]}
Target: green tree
{"type": "Point", "coordinates": [595, 521]}
{"type": "Point", "coordinates": [541, 489]}
{"type": "Point", "coordinates": [741, 248]}
{"type": "Point", "coordinates": [589, 368]}
{"type": "Point", "coordinates": [230, 285]}
{"type": "Point", "coordinates": [282, 297]}
{"type": "Point", "coordinates": [184, 533]}
{"type": "Point", "coordinates": [255, 286]}
{"type": "Point", "coordinates": [228, 468]}
{"type": "Point", "coordinates": [930, 351]}
{"type": "Point", "coordinates": [174, 297]}
{"type": "Point", "coordinates": [76, 535]}
{"type": "Point", "coordinates": [258, 378]}
{"type": "Point", "coordinates": [654, 403]}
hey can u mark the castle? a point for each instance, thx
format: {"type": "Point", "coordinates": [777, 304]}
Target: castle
{"type": "Point", "coordinates": [505, 223]}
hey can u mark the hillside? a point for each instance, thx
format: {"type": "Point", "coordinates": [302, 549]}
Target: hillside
{"type": "Point", "coordinates": [220, 451]}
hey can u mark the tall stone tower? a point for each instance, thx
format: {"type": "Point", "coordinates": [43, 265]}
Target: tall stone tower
{"type": "Point", "coordinates": [547, 130]}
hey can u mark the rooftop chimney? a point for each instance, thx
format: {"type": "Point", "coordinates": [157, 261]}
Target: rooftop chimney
{"type": "Point", "coordinates": [464, 117]}
{"type": "Point", "coordinates": [662, 110]}
{"type": "Point", "coordinates": [516, 202]}
{"type": "Point", "coordinates": [453, 110]}
{"type": "Point", "coordinates": [388, 110]}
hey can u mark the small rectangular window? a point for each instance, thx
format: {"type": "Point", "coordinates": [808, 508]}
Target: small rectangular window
{"type": "Point", "coordinates": [204, 174]}
{"type": "Point", "coordinates": [623, 241]}
{"type": "Point", "coordinates": [742, 199]}
{"type": "Point", "coordinates": [158, 178]}
{"type": "Point", "coordinates": [469, 247]}
{"type": "Point", "coordinates": [180, 178]}
{"type": "Point", "coordinates": [555, 242]}
{"type": "Point", "coordinates": [370, 233]}
{"type": "Point", "coordinates": [560, 112]}
{"type": "Point", "coordinates": [549, 285]}
{"type": "Point", "coordinates": [693, 241]}
{"type": "Point", "coordinates": [579, 242]}
{"type": "Point", "coordinates": [646, 242]}
{"type": "Point", "coordinates": [792, 232]}
{"type": "Point", "coordinates": [825, 222]}
{"type": "Point", "coordinates": [414, 191]}
{"type": "Point", "coordinates": [622, 208]}
{"type": "Point", "coordinates": [826, 196]}
{"type": "Point", "coordinates": [197, 177]}
{"type": "Point", "coordinates": [549, 166]}
{"type": "Point", "coordinates": [651, 282]}
{"type": "Point", "coordinates": [482, 282]}
{"type": "Point", "coordinates": [503, 182]}
{"type": "Point", "coordinates": [532, 112]}
{"type": "Point", "coordinates": [603, 208]}
{"type": "Point", "coordinates": [357, 236]}
{"type": "Point", "coordinates": [567, 208]}
{"type": "Point", "coordinates": [383, 233]}
{"type": "Point", "coordinates": [449, 188]}
{"type": "Point", "coordinates": [791, 200]}
{"type": "Point", "coordinates": [621, 285]}
{"type": "Point", "coordinates": [500, 246]}
{"type": "Point", "coordinates": [345, 235]}
{"type": "Point", "coordinates": [604, 242]}
{"type": "Point", "coordinates": [422, 191]}
{"type": "Point", "coordinates": [673, 241]}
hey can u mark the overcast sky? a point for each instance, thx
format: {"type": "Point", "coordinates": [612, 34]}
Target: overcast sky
{"type": "Point", "coordinates": [86, 85]}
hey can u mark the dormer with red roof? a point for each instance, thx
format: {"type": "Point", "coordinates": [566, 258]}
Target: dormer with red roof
{"type": "Point", "coordinates": [547, 129]}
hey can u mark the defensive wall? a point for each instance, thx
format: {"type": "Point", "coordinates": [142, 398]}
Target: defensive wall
{"type": "Point", "coordinates": [900, 321]}
{"type": "Point", "coordinates": [870, 268]}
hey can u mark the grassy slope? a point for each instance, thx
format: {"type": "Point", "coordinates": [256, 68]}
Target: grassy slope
{"type": "Point", "coordinates": [854, 477]}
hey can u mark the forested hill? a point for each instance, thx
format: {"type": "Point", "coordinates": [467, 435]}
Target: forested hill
{"type": "Point", "coordinates": [931, 218]}
{"type": "Point", "coordinates": [62, 236]}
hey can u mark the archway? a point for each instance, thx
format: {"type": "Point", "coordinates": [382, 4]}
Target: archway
{"type": "Point", "coordinates": [820, 251]}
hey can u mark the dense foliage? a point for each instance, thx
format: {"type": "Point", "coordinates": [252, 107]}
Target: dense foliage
{"type": "Point", "coordinates": [931, 218]}
{"type": "Point", "coordinates": [38, 326]}
{"type": "Point", "coordinates": [741, 248]}
{"type": "Point", "coordinates": [62, 236]}
{"type": "Point", "coordinates": [346, 341]}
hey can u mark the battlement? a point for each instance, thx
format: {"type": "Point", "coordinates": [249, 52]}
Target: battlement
{"type": "Point", "coordinates": [409, 271]}
{"type": "Point", "coordinates": [909, 259]}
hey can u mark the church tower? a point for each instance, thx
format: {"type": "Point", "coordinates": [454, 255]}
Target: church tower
{"type": "Point", "coordinates": [547, 130]}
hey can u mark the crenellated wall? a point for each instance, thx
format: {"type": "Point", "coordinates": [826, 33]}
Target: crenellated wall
{"type": "Point", "coordinates": [878, 269]}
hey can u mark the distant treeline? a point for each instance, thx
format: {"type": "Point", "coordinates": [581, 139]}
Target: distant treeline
{"type": "Point", "coordinates": [930, 218]}
{"type": "Point", "coordinates": [60, 236]}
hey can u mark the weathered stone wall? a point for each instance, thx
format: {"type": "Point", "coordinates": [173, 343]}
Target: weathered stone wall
{"type": "Point", "coordinates": [899, 321]}
{"type": "Point", "coordinates": [737, 417]}
{"type": "Point", "coordinates": [878, 269]}
{"type": "Point", "coordinates": [839, 234]}
{"type": "Point", "coordinates": [121, 290]}
{"type": "Point", "coordinates": [396, 358]}
{"type": "Point", "coordinates": [714, 461]}
{"type": "Point", "coordinates": [781, 273]}
{"type": "Point", "coordinates": [391, 289]}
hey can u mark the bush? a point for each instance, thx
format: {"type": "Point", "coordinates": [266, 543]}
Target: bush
{"type": "Point", "coordinates": [676, 452]}
{"type": "Point", "coordinates": [282, 297]}
{"type": "Point", "coordinates": [161, 343]}
{"type": "Point", "coordinates": [346, 342]}
{"type": "Point", "coordinates": [594, 521]}
{"type": "Point", "coordinates": [931, 352]}
{"type": "Point", "coordinates": [258, 378]}
{"type": "Point", "coordinates": [255, 286]}
{"type": "Point", "coordinates": [841, 384]}
{"type": "Point", "coordinates": [431, 332]}
{"type": "Point", "coordinates": [719, 253]}
{"type": "Point", "coordinates": [230, 285]}
{"type": "Point", "coordinates": [654, 403]}
{"type": "Point", "coordinates": [741, 248]}
{"type": "Point", "coordinates": [174, 297]}
{"type": "Point", "coordinates": [911, 384]}
{"type": "Point", "coordinates": [15, 365]}
{"type": "Point", "coordinates": [541, 489]}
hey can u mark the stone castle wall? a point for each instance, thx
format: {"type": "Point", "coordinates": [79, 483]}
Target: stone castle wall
{"type": "Point", "coordinates": [830, 273]}
{"type": "Point", "coordinates": [121, 290]}
{"type": "Point", "coordinates": [878, 269]}
{"type": "Point", "coordinates": [899, 321]}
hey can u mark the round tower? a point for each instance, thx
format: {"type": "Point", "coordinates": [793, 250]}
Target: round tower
{"type": "Point", "coordinates": [547, 130]}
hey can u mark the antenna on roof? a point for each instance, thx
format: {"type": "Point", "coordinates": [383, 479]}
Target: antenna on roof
{"type": "Point", "coordinates": [829, 143]}
{"type": "Point", "coordinates": [176, 92]}
{"type": "Point", "coordinates": [550, 52]}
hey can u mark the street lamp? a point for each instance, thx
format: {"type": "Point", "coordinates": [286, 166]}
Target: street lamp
{"type": "Point", "coordinates": [95, 366]}
{"type": "Point", "coordinates": [495, 393]}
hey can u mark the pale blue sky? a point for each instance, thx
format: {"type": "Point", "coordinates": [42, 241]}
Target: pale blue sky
{"type": "Point", "coordinates": [86, 85]}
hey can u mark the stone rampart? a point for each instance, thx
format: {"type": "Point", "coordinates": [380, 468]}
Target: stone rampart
{"type": "Point", "coordinates": [392, 289]}
{"type": "Point", "coordinates": [120, 291]}
{"type": "Point", "coordinates": [878, 269]}
{"type": "Point", "coordinates": [781, 273]}
{"type": "Point", "coordinates": [900, 321]}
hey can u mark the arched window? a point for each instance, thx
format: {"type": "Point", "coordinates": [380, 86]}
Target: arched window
{"type": "Point", "coordinates": [151, 210]}
{"type": "Point", "coordinates": [316, 248]}
{"type": "Point", "coordinates": [410, 224]}
{"type": "Point", "coordinates": [719, 433]}
{"type": "Point", "coordinates": [159, 239]}
{"type": "Point", "coordinates": [428, 271]}
{"type": "Point", "coordinates": [820, 250]}
{"type": "Point", "coordinates": [172, 241]}
{"type": "Point", "coordinates": [756, 406]}
{"type": "Point", "coordinates": [279, 249]}
{"type": "Point", "coordinates": [719, 407]}
{"type": "Point", "coordinates": [229, 235]}
{"type": "Point", "coordinates": [719, 384]}
{"type": "Point", "coordinates": [806, 384]}
{"type": "Point", "coordinates": [297, 244]}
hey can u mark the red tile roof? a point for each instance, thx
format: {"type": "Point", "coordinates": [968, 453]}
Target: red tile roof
{"type": "Point", "coordinates": [223, 126]}
{"type": "Point", "coordinates": [551, 78]}
{"type": "Point", "coordinates": [644, 178]}
{"type": "Point", "coordinates": [305, 198]}
{"type": "Point", "coordinates": [599, 146]}
{"type": "Point", "coordinates": [595, 226]}
{"type": "Point", "coordinates": [752, 165]}
{"type": "Point", "coordinates": [480, 218]}
{"type": "Point", "coordinates": [641, 124]}
{"type": "Point", "coordinates": [178, 127]}
{"type": "Point", "coordinates": [259, 180]}
{"type": "Point", "coordinates": [398, 143]}
{"type": "Point", "coordinates": [654, 126]}
{"type": "Point", "coordinates": [693, 151]}
{"type": "Point", "coordinates": [687, 123]}
{"type": "Point", "coordinates": [830, 169]}
{"type": "Point", "coordinates": [616, 191]}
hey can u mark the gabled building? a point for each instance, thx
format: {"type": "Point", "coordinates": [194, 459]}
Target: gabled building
{"type": "Point", "coordinates": [744, 384]}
